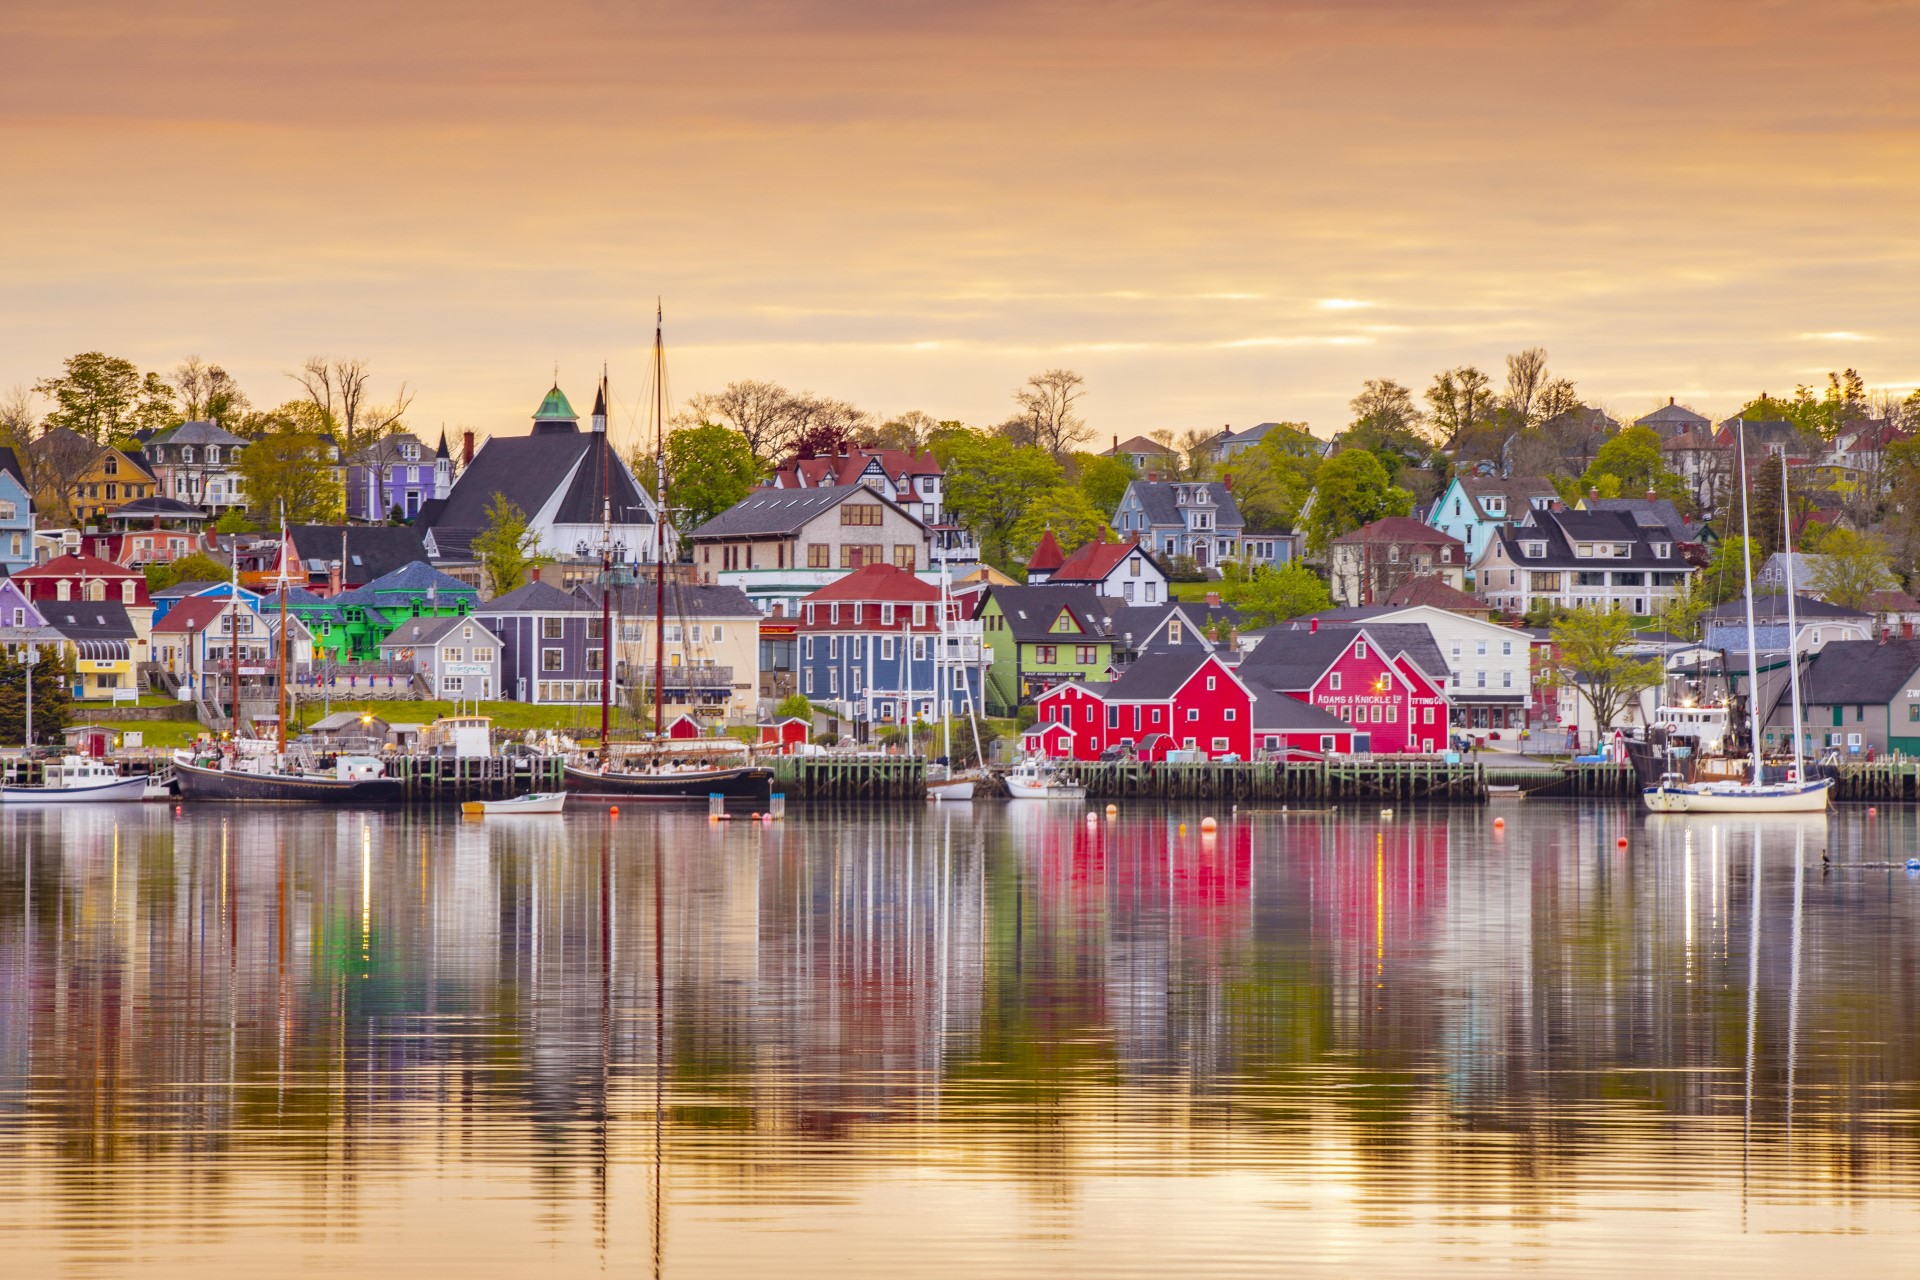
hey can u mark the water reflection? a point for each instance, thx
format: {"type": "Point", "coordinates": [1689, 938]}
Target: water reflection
{"type": "Point", "coordinates": [954, 1040]}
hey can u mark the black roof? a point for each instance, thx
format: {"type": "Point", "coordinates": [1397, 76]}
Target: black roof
{"type": "Point", "coordinates": [768, 512]}
{"type": "Point", "coordinates": [683, 601]}
{"type": "Point", "coordinates": [1290, 660]}
{"type": "Point", "coordinates": [1413, 639]}
{"type": "Point", "coordinates": [1031, 610]}
{"type": "Point", "coordinates": [10, 463]}
{"type": "Point", "coordinates": [1774, 609]}
{"type": "Point", "coordinates": [529, 469]}
{"type": "Point", "coordinates": [1155, 677]}
{"type": "Point", "coordinates": [87, 619]}
{"type": "Point", "coordinates": [1276, 712]}
{"type": "Point", "coordinates": [373, 550]}
{"type": "Point", "coordinates": [537, 597]}
{"type": "Point", "coordinates": [1860, 671]}
{"type": "Point", "coordinates": [1560, 530]}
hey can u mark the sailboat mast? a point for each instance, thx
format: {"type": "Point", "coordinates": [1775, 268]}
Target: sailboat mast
{"type": "Point", "coordinates": [233, 634]}
{"type": "Point", "coordinates": [605, 444]}
{"type": "Point", "coordinates": [282, 744]}
{"type": "Point", "coordinates": [1793, 626]}
{"type": "Point", "coordinates": [659, 522]}
{"type": "Point", "coordinates": [1753, 653]}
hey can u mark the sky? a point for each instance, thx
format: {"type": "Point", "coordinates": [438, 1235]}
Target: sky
{"type": "Point", "coordinates": [1217, 212]}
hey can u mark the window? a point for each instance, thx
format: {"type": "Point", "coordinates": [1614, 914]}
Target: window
{"type": "Point", "coordinates": [833, 646]}
{"type": "Point", "coordinates": [1393, 713]}
{"type": "Point", "coordinates": [1113, 717]}
{"type": "Point", "coordinates": [1360, 650]}
{"type": "Point", "coordinates": [1045, 654]}
{"type": "Point", "coordinates": [806, 646]}
{"type": "Point", "coordinates": [860, 514]}
{"type": "Point", "coordinates": [596, 659]}
{"type": "Point", "coordinates": [1193, 714]}
{"type": "Point", "coordinates": [1506, 648]}
{"type": "Point", "coordinates": [1174, 631]}
{"type": "Point", "coordinates": [1085, 655]}
{"type": "Point", "coordinates": [1155, 717]}
{"type": "Point", "coordinates": [919, 648]}
{"type": "Point", "coordinates": [1426, 715]}
{"type": "Point", "coordinates": [186, 453]}
{"type": "Point", "coordinates": [1133, 563]}
{"type": "Point", "coordinates": [1480, 679]}
{"type": "Point", "coordinates": [7, 510]}
{"type": "Point", "coordinates": [483, 653]}
{"type": "Point", "coordinates": [1233, 713]}
{"type": "Point", "coordinates": [1333, 682]}
{"type": "Point", "coordinates": [857, 555]}
{"type": "Point", "coordinates": [886, 648]}
{"type": "Point", "coordinates": [857, 648]}
{"type": "Point", "coordinates": [833, 679]}
{"type": "Point", "coordinates": [552, 628]}
{"type": "Point", "coordinates": [819, 556]}
{"type": "Point", "coordinates": [809, 680]}
{"type": "Point", "coordinates": [886, 615]}
{"type": "Point", "coordinates": [672, 629]}
{"type": "Point", "coordinates": [833, 614]}
{"type": "Point", "coordinates": [1212, 683]}
{"type": "Point", "coordinates": [1662, 550]}
{"type": "Point", "coordinates": [905, 556]}
{"type": "Point", "coordinates": [552, 660]}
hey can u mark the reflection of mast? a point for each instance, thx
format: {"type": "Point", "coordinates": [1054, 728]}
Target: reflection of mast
{"type": "Point", "coordinates": [606, 1036]}
{"type": "Point", "coordinates": [1753, 1017]}
{"type": "Point", "coordinates": [1793, 972]}
{"type": "Point", "coordinates": [659, 1043]}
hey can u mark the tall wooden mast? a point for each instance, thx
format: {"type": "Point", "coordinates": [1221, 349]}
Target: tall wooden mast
{"type": "Point", "coordinates": [659, 522]}
{"type": "Point", "coordinates": [282, 744]}
{"type": "Point", "coordinates": [605, 446]}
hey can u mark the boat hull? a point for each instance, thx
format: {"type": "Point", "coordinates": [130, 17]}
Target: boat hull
{"type": "Point", "coordinates": [1789, 797]}
{"type": "Point", "coordinates": [748, 785]}
{"type": "Point", "coordinates": [538, 802]}
{"type": "Point", "coordinates": [119, 791]}
{"type": "Point", "coordinates": [962, 790]}
{"type": "Point", "coordinates": [197, 783]}
{"type": "Point", "coordinates": [1046, 790]}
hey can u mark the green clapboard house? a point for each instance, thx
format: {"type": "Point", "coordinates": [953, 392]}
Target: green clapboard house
{"type": "Point", "coordinates": [1040, 636]}
{"type": "Point", "coordinates": [1856, 695]}
{"type": "Point", "coordinates": [350, 626]}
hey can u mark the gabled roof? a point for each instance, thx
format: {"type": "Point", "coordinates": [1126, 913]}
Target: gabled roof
{"type": "Point", "coordinates": [1279, 713]}
{"type": "Point", "coordinates": [372, 550]}
{"type": "Point", "coordinates": [414, 576]}
{"type": "Point", "coordinates": [1431, 591]}
{"type": "Point", "coordinates": [193, 614]}
{"type": "Point", "coordinates": [1140, 444]}
{"type": "Point", "coordinates": [1094, 561]}
{"type": "Point", "coordinates": [1672, 419]}
{"type": "Point", "coordinates": [1399, 529]}
{"type": "Point", "coordinates": [75, 566]}
{"type": "Point", "coordinates": [1519, 492]}
{"type": "Point", "coordinates": [537, 597]}
{"type": "Point", "coordinates": [1774, 609]}
{"type": "Point", "coordinates": [876, 582]}
{"type": "Point", "coordinates": [1030, 611]}
{"type": "Point", "coordinates": [1893, 602]}
{"type": "Point", "coordinates": [1160, 501]}
{"type": "Point", "coordinates": [1047, 556]}
{"type": "Point", "coordinates": [683, 601]}
{"type": "Point", "coordinates": [1290, 660]}
{"type": "Point", "coordinates": [87, 619]}
{"type": "Point", "coordinates": [1411, 640]}
{"type": "Point", "coordinates": [772, 512]}
{"type": "Point", "coordinates": [157, 508]}
{"type": "Point", "coordinates": [427, 631]}
{"type": "Point", "coordinates": [826, 470]}
{"type": "Point", "coordinates": [1860, 672]}
{"type": "Point", "coordinates": [1650, 513]}
{"type": "Point", "coordinates": [201, 432]}
{"type": "Point", "coordinates": [530, 470]}
{"type": "Point", "coordinates": [1561, 530]}
{"type": "Point", "coordinates": [1155, 677]}
{"type": "Point", "coordinates": [181, 590]}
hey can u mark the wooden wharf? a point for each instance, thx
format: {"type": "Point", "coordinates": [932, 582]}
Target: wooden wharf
{"type": "Point", "coordinates": [863, 778]}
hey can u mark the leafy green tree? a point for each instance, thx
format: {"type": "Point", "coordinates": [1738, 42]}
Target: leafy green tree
{"type": "Point", "coordinates": [709, 468]}
{"type": "Point", "coordinates": [1630, 464]}
{"type": "Point", "coordinates": [1724, 579]}
{"type": "Point", "coordinates": [1843, 401]}
{"type": "Point", "coordinates": [52, 680]}
{"type": "Point", "coordinates": [991, 484]}
{"type": "Point", "coordinates": [1103, 480]}
{"type": "Point", "coordinates": [234, 521]}
{"type": "Point", "coordinates": [1268, 595]}
{"type": "Point", "coordinates": [1460, 400]}
{"type": "Point", "coordinates": [794, 707]}
{"type": "Point", "coordinates": [106, 399]}
{"type": "Point", "coordinates": [507, 547]}
{"type": "Point", "coordinates": [1075, 521]}
{"type": "Point", "coordinates": [290, 470]}
{"type": "Point", "coordinates": [1849, 568]}
{"type": "Point", "coordinates": [197, 567]}
{"type": "Point", "coordinates": [1352, 489]}
{"type": "Point", "coordinates": [1273, 481]}
{"type": "Point", "coordinates": [1589, 656]}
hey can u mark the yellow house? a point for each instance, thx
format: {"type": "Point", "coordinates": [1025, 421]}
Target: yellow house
{"type": "Point", "coordinates": [110, 479]}
{"type": "Point", "coordinates": [712, 649]}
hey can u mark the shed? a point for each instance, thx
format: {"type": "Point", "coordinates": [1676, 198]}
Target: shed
{"type": "Point", "coordinates": [88, 739]}
{"type": "Point", "coordinates": [351, 729]}
{"type": "Point", "coordinates": [685, 727]}
{"type": "Point", "coordinates": [786, 734]}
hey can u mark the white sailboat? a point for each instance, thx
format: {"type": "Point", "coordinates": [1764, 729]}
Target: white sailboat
{"type": "Point", "coordinates": [944, 782]}
{"type": "Point", "coordinates": [1797, 794]}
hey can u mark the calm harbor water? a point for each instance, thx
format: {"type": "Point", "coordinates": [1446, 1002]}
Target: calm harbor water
{"type": "Point", "coordinates": [966, 1041]}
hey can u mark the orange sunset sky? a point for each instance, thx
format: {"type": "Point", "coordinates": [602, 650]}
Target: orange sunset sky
{"type": "Point", "coordinates": [1218, 212]}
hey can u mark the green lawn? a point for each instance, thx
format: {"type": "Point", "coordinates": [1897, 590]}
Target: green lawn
{"type": "Point", "coordinates": [511, 716]}
{"type": "Point", "coordinates": [1195, 592]}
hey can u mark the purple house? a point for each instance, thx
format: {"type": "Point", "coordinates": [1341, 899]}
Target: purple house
{"type": "Point", "coordinates": [551, 645]}
{"type": "Point", "coordinates": [396, 473]}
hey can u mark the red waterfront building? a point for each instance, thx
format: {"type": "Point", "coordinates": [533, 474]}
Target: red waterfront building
{"type": "Point", "coordinates": [1162, 702]}
{"type": "Point", "coordinates": [1379, 687]}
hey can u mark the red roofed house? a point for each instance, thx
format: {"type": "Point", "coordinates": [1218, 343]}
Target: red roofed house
{"type": "Point", "coordinates": [1122, 570]}
{"type": "Point", "coordinates": [1181, 700]}
{"type": "Point", "coordinates": [1391, 704]}
{"type": "Point", "coordinates": [85, 577]}
{"type": "Point", "coordinates": [1369, 563]}
{"type": "Point", "coordinates": [915, 482]}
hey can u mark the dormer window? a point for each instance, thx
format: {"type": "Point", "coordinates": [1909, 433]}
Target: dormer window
{"type": "Point", "coordinates": [1662, 550]}
{"type": "Point", "coordinates": [1584, 550]}
{"type": "Point", "coordinates": [1496, 506]}
{"type": "Point", "coordinates": [186, 453]}
{"type": "Point", "coordinates": [213, 455]}
{"type": "Point", "coordinates": [1534, 550]}
{"type": "Point", "coordinates": [1623, 550]}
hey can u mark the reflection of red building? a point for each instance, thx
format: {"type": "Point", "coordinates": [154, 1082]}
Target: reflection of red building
{"type": "Point", "coordinates": [1379, 887]}
{"type": "Point", "coordinates": [1121, 869]}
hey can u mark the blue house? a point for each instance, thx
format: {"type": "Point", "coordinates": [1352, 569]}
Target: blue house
{"type": "Point", "coordinates": [1473, 508]}
{"type": "Point", "coordinates": [16, 522]}
{"type": "Point", "coordinates": [868, 645]}
{"type": "Point", "coordinates": [551, 644]}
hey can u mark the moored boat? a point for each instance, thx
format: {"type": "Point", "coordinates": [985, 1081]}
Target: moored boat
{"type": "Point", "coordinates": [1037, 779]}
{"type": "Point", "coordinates": [749, 784]}
{"type": "Point", "coordinates": [356, 780]}
{"type": "Point", "coordinates": [532, 802]}
{"type": "Point", "coordinates": [960, 788]}
{"type": "Point", "coordinates": [77, 780]}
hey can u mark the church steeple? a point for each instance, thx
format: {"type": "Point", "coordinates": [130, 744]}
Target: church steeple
{"type": "Point", "coordinates": [555, 413]}
{"type": "Point", "coordinates": [600, 408]}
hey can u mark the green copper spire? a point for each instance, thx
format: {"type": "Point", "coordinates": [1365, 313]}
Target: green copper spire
{"type": "Point", "coordinates": [555, 408]}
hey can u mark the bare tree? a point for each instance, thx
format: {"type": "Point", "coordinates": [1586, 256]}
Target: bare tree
{"type": "Point", "coordinates": [1556, 398]}
{"type": "Point", "coordinates": [1461, 399]}
{"type": "Point", "coordinates": [338, 388]}
{"type": "Point", "coordinates": [1526, 375]}
{"type": "Point", "coordinates": [1046, 406]}
{"type": "Point", "coordinates": [17, 416]}
{"type": "Point", "coordinates": [766, 413]}
{"type": "Point", "coordinates": [907, 431]}
{"type": "Point", "coordinates": [208, 392]}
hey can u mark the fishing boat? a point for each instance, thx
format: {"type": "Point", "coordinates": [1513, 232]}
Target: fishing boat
{"type": "Point", "coordinates": [532, 802]}
{"type": "Point", "coordinates": [1037, 779]}
{"type": "Point", "coordinates": [747, 784]}
{"type": "Point", "coordinates": [1797, 793]}
{"type": "Point", "coordinates": [77, 780]}
{"type": "Point", "coordinates": [355, 780]}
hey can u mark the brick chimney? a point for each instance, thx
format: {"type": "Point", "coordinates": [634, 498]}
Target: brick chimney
{"type": "Point", "coordinates": [1213, 599]}
{"type": "Point", "coordinates": [1313, 625]}
{"type": "Point", "coordinates": [1228, 480]}
{"type": "Point", "coordinates": [333, 577]}
{"type": "Point", "coordinates": [1651, 495]}
{"type": "Point", "coordinates": [466, 449]}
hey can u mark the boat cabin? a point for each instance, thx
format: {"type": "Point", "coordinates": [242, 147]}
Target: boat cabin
{"type": "Point", "coordinates": [461, 737]}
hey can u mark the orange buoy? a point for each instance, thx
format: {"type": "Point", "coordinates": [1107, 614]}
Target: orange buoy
{"type": "Point", "coordinates": [1621, 842]}
{"type": "Point", "coordinates": [615, 811]}
{"type": "Point", "coordinates": [1209, 825]}
{"type": "Point", "coordinates": [1499, 822]}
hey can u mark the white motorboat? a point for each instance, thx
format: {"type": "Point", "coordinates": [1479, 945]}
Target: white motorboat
{"type": "Point", "coordinates": [1036, 779]}
{"type": "Point", "coordinates": [1797, 794]}
{"type": "Point", "coordinates": [78, 780]}
{"type": "Point", "coordinates": [532, 802]}
{"type": "Point", "coordinates": [950, 789]}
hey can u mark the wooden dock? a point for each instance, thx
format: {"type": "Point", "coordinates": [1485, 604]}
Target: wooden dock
{"type": "Point", "coordinates": [850, 779]}
{"type": "Point", "coordinates": [450, 780]}
{"type": "Point", "coordinates": [1567, 781]}
{"type": "Point", "coordinates": [1409, 780]}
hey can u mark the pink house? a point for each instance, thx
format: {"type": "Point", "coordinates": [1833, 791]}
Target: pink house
{"type": "Point", "coordinates": [1384, 697]}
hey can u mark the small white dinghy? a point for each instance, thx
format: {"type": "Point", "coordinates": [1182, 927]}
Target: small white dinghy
{"type": "Point", "coordinates": [532, 802]}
